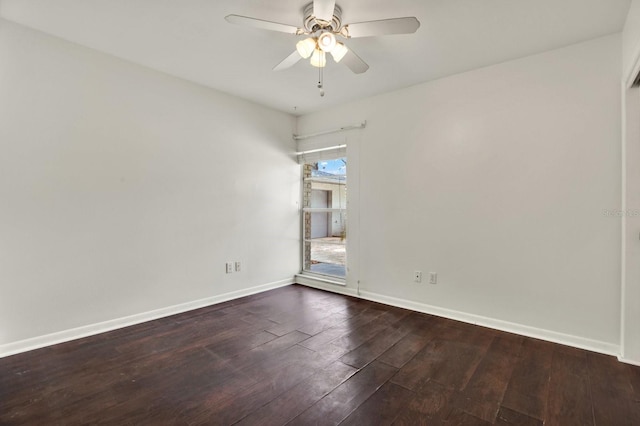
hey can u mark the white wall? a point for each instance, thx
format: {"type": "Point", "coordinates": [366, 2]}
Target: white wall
{"type": "Point", "coordinates": [630, 320]}
{"type": "Point", "coordinates": [497, 180]}
{"type": "Point", "coordinates": [124, 190]}
{"type": "Point", "coordinates": [631, 40]}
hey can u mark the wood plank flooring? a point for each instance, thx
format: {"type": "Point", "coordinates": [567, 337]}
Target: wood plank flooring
{"type": "Point", "coordinates": [301, 356]}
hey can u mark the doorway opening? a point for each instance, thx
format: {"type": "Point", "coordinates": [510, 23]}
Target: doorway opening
{"type": "Point", "coordinates": [325, 217]}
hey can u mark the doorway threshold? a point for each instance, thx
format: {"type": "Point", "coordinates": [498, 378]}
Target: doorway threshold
{"type": "Point", "coordinates": [310, 278]}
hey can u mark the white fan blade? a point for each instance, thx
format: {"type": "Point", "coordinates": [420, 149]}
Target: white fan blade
{"type": "Point", "coordinates": [383, 27]}
{"type": "Point", "coordinates": [354, 62]}
{"type": "Point", "coordinates": [288, 62]}
{"type": "Point", "coordinates": [264, 25]}
{"type": "Point", "coordinates": [323, 9]}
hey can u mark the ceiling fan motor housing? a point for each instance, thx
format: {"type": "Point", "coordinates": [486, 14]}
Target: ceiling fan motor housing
{"type": "Point", "coordinates": [312, 25]}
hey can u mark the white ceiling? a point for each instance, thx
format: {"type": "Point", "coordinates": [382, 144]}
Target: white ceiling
{"type": "Point", "coordinates": [190, 39]}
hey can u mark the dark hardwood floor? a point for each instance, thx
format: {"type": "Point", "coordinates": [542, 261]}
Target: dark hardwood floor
{"type": "Point", "coordinates": [301, 356]}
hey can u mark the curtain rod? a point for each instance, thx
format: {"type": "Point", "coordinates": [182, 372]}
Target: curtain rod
{"type": "Point", "coordinates": [313, 151]}
{"type": "Point", "coordinates": [327, 132]}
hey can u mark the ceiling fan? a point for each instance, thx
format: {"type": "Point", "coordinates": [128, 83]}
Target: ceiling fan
{"type": "Point", "coordinates": [323, 25]}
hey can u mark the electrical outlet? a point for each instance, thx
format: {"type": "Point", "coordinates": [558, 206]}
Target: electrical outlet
{"type": "Point", "coordinates": [229, 267]}
{"type": "Point", "coordinates": [238, 266]}
{"type": "Point", "coordinates": [433, 278]}
{"type": "Point", "coordinates": [417, 276]}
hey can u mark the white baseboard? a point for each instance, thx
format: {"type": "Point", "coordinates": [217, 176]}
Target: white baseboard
{"type": "Point", "coordinates": [92, 329]}
{"type": "Point", "coordinates": [629, 361]}
{"type": "Point", "coordinates": [524, 330]}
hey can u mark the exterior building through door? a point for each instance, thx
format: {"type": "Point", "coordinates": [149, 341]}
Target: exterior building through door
{"type": "Point", "coordinates": [320, 222]}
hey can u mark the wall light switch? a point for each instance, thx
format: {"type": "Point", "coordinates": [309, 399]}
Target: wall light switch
{"type": "Point", "coordinates": [237, 266]}
{"type": "Point", "coordinates": [229, 267]}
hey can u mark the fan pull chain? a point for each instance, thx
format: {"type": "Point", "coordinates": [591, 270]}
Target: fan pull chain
{"type": "Point", "coordinates": [320, 81]}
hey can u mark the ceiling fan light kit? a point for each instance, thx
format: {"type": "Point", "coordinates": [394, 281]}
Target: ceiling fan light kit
{"type": "Point", "coordinates": [327, 41]}
{"type": "Point", "coordinates": [339, 51]}
{"type": "Point", "coordinates": [306, 47]}
{"type": "Point", "coordinates": [321, 24]}
{"type": "Point", "coordinates": [318, 58]}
